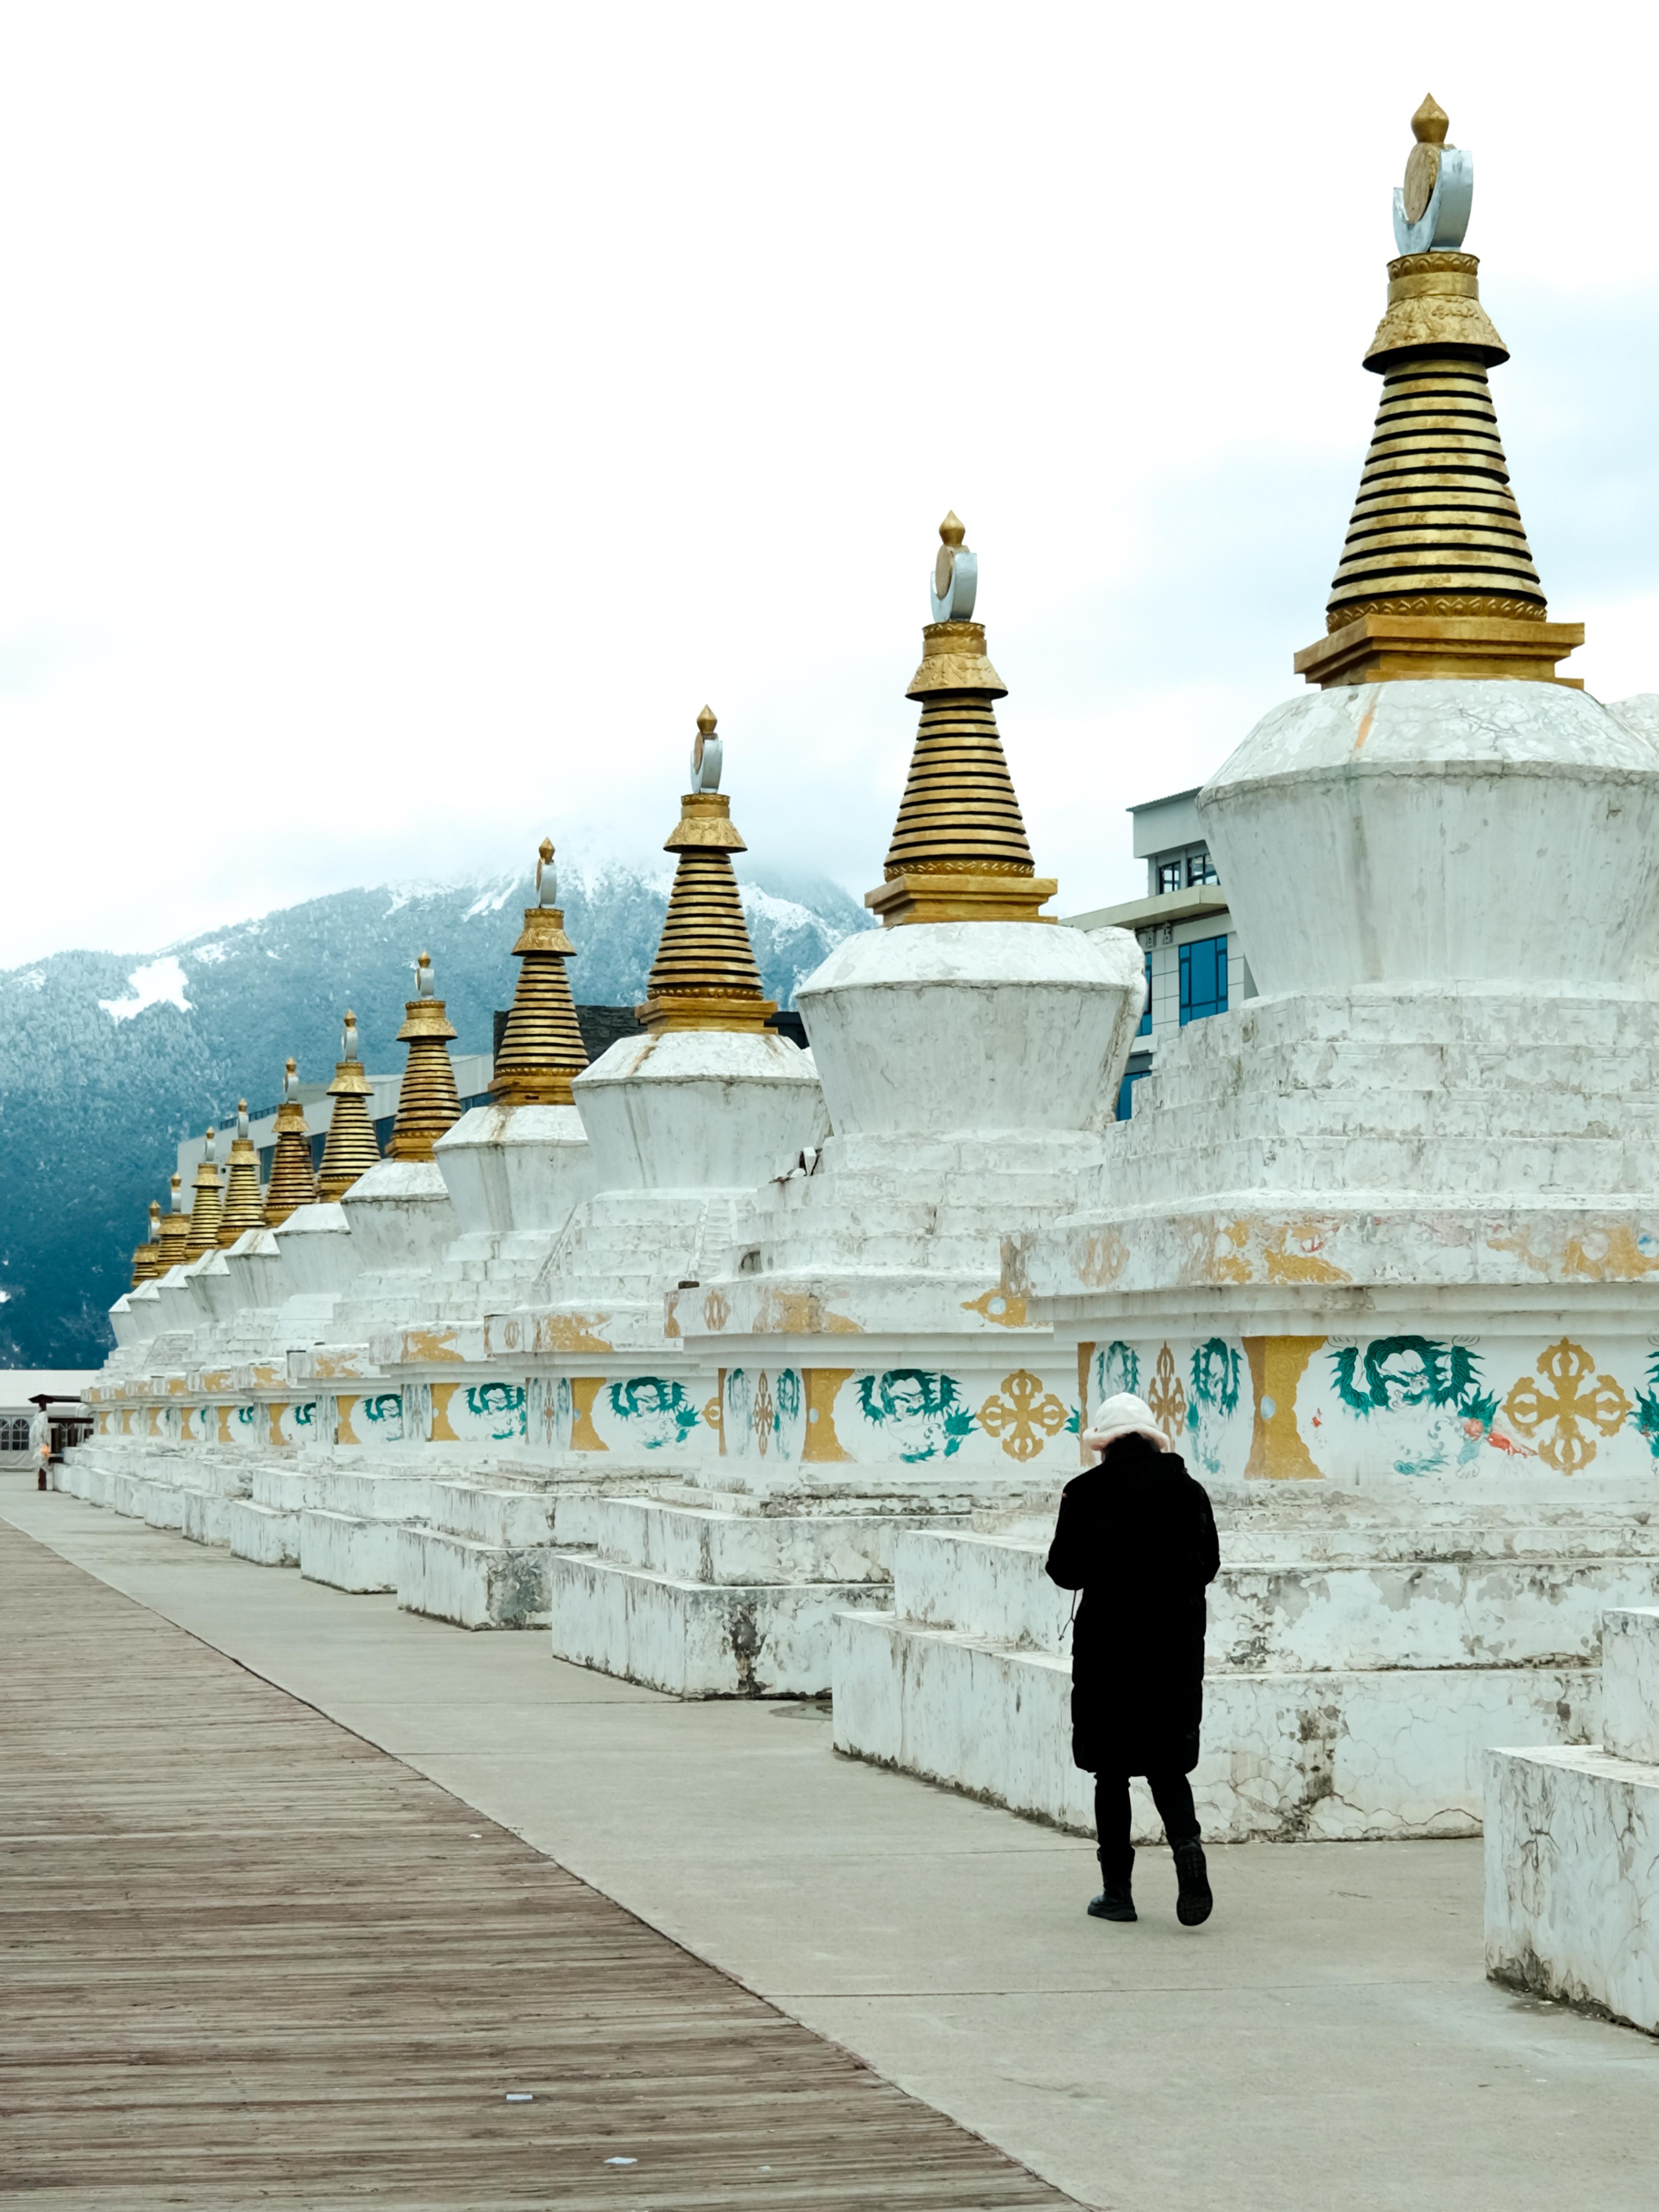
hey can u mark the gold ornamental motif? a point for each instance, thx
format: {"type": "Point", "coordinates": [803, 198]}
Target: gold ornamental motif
{"type": "Point", "coordinates": [542, 1049]}
{"type": "Point", "coordinates": [959, 850]}
{"type": "Point", "coordinates": [207, 1203]}
{"type": "Point", "coordinates": [147, 1260]}
{"type": "Point", "coordinates": [1437, 578]}
{"type": "Point", "coordinates": [1166, 1396]}
{"type": "Point", "coordinates": [705, 976]}
{"type": "Point", "coordinates": [352, 1147]}
{"type": "Point", "coordinates": [428, 1101]}
{"type": "Point", "coordinates": [1574, 1415]}
{"type": "Point", "coordinates": [1024, 1416]}
{"type": "Point", "coordinates": [292, 1183]}
{"type": "Point", "coordinates": [243, 1207]}
{"type": "Point", "coordinates": [763, 1415]}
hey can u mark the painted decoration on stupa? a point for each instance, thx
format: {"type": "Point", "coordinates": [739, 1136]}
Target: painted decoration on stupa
{"type": "Point", "coordinates": [477, 1413]}
{"type": "Point", "coordinates": [1406, 1403]}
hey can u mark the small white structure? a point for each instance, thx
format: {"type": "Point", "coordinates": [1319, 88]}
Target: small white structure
{"type": "Point", "coordinates": [1572, 1847]}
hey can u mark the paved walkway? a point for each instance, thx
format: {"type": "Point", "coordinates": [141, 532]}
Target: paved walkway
{"type": "Point", "coordinates": [249, 1958]}
{"type": "Point", "coordinates": [1328, 2036]}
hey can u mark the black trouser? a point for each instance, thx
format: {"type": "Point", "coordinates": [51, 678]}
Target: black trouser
{"type": "Point", "coordinates": [1172, 1794]}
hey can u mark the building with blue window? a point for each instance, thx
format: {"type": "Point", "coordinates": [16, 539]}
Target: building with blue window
{"type": "Point", "coordinates": [1194, 965]}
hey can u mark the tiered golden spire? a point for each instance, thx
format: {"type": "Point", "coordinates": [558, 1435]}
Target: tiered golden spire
{"type": "Point", "coordinates": [542, 1046]}
{"type": "Point", "coordinates": [704, 976]}
{"type": "Point", "coordinates": [958, 852]}
{"type": "Point", "coordinates": [244, 1208]}
{"type": "Point", "coordinates": [175, 1228]}
{"type": "Point", "coordinates": [1437, 578]}
{"type": "Point", "coordinates": [207, 1202]}
{"type": "Point", "coordinates": [351, 1149]}
{"type": "Point", "coordinates": [428, 1101]}
{"type": "Point", "coordinates": [292, 1183]}
{"type": "Point", "coordinates": [147, 1260]}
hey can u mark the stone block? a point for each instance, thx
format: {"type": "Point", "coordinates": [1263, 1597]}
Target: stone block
{"type": "Point", "coordinates": [1334, 1754]}
{"type": "Point", "coordinates": [206, 1516]}
{"type": "Point", "coordinates": [348, 1553]}
{"type": "Point", "coordinates": [474, 1584]}
{"type": "Point", "coordinates": [1630, 1685]}
{"type": "Point", "coordinates": [692, 1639]}
{"type": "Point", "coordinates": [1572, 1872]}
{"type": "Point", "coordinates": [262, 1534]}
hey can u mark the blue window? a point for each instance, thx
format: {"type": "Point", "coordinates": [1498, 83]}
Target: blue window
{"type": "Point", "coordinates": [1203, 979]}
{"type": "Point", "coordinates": [1126, 1092]}
{"type": "Point", "coordinates": [1145, 1028]}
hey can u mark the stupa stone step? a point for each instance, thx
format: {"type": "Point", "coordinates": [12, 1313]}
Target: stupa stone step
{"type": "Point", "coordinates": [695, 1639]}
{"type": "Point", "coordinates": [1325, 1756]}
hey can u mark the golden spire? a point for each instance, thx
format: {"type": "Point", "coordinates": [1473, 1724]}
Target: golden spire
{"type": "Point", "coordinates": [292, 1183]}
{"type": "Point", "coordinates": [147, 1260]}
{"type": "Point", "coordinates": [542, 1046]}
{"type": "Point", "coordinates": [207, 1202]}
{"type": "Point", "coordinates": [243, 1207]}
{"type": "Point", "coordinates": [175, 1228]}
{"type": "Point", "coordinates": [704, 976]}
{"type": "Point", "coordinates": [958, 852]}
{"type": "Point", "coordinates": [1437, 578]}
{"type": "Point", "coordinates": [352, 1148]}
{"type": "Point", "coordinates": [428, 1102]}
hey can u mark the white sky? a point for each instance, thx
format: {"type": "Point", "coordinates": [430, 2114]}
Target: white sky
{"type": "Point", "coordinates": [409, 415]}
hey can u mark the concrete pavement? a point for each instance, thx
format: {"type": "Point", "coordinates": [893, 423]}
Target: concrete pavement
{"type": "Point", "coordinates": [1329, 2036]}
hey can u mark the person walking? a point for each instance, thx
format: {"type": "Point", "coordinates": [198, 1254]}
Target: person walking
{"type": "Point", "coordinates": [40, 1444]}
{"type": "Point", "coordinates": [1137, 1537]}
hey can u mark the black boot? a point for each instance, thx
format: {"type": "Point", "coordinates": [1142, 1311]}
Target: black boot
{"type": "Point", "coordinates": [1193, 1903]}
{"type": "Point", "coordinates": [1114, 1901]}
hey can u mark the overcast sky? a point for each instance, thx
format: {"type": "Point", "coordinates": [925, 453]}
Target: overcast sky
{"type": "Point", "coordinates": [412, 415]}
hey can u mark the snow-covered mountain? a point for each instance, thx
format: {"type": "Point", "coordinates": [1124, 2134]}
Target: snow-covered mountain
{"type": "Point", "coordinates": [107, 1059]}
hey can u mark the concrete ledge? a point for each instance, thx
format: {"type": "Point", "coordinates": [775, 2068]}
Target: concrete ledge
{"type": "Point", "coordinates": [1573, 1875]}
{"type": "Point", "coordinates": [472, 1583]}
{"type": "Point", "coordinates": [262, 1533]}
{"type": "Point", "coordinates": [348, 1553]}
{"type": "Point", "coordinates": [692, 1639]}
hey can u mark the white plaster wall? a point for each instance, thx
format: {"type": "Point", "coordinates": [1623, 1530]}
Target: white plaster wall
{"type": "Point", "coordinates": [400, 1216]}
{"type": "Point", "coordinates": [943, 1028]}
{"type": "Point", "coordinates": [1440, 831]}
{"type": "Point", "coordinates": [516, 1167]}
{"type": "Point", "coordinates": [255, 1262]}
{"type": "Point", "coordinates": [1630, 1684]}
{"type": "Point", "coordinates": [317, 1251]}
{"type": "Point", "coordinates": [699, 1109]}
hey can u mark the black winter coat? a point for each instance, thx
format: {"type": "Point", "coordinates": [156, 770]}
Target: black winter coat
{"type": "Point", "coordinates": [1136, 1536]}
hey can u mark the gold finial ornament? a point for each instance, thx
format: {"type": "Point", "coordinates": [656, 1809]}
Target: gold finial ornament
{"type": "Point", "coordinates": [428, 1101]}
{"type": "Point", "coordinates": [243, 1207]}
{"type": "Point", "coordinates": [542, 1046]}
{"type": "Point", "coordinates": [292, 1184]}
{"type": "Point", "coordinates": [1437, 578]}
{"type": "Point", "coordinates": [959, 851]}
{"type": "Point", "coordinates": [351, 1148]}
{"type": "Point", "coordinates": [207, 1202]}
{"type": "Point", "coordinates": [704, 976]}
{"type": "Point", "coordinates": [147, 1260]}
{"type": "Point", "coordinates": [175, 1228]}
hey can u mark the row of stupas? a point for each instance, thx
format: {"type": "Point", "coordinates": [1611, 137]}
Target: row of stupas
{"type": "Point", "coordinates": [740, 1370]}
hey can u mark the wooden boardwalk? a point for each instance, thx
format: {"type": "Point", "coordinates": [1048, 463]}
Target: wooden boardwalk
{"type": "Point", "coordinates": [248, 1959]}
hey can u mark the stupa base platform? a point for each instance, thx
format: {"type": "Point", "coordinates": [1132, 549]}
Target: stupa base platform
{"type": "Point", "coordinates": [1364, 1651]}
{"type": "Point", "coordinates": [1319, 1757]}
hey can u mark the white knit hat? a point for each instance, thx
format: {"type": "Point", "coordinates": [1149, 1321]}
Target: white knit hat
{"type": "Point", "coordinates": [1125, 1415]}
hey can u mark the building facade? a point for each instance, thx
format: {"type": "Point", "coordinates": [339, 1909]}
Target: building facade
{"type": "Point", "coordinates": [1195, 965]}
